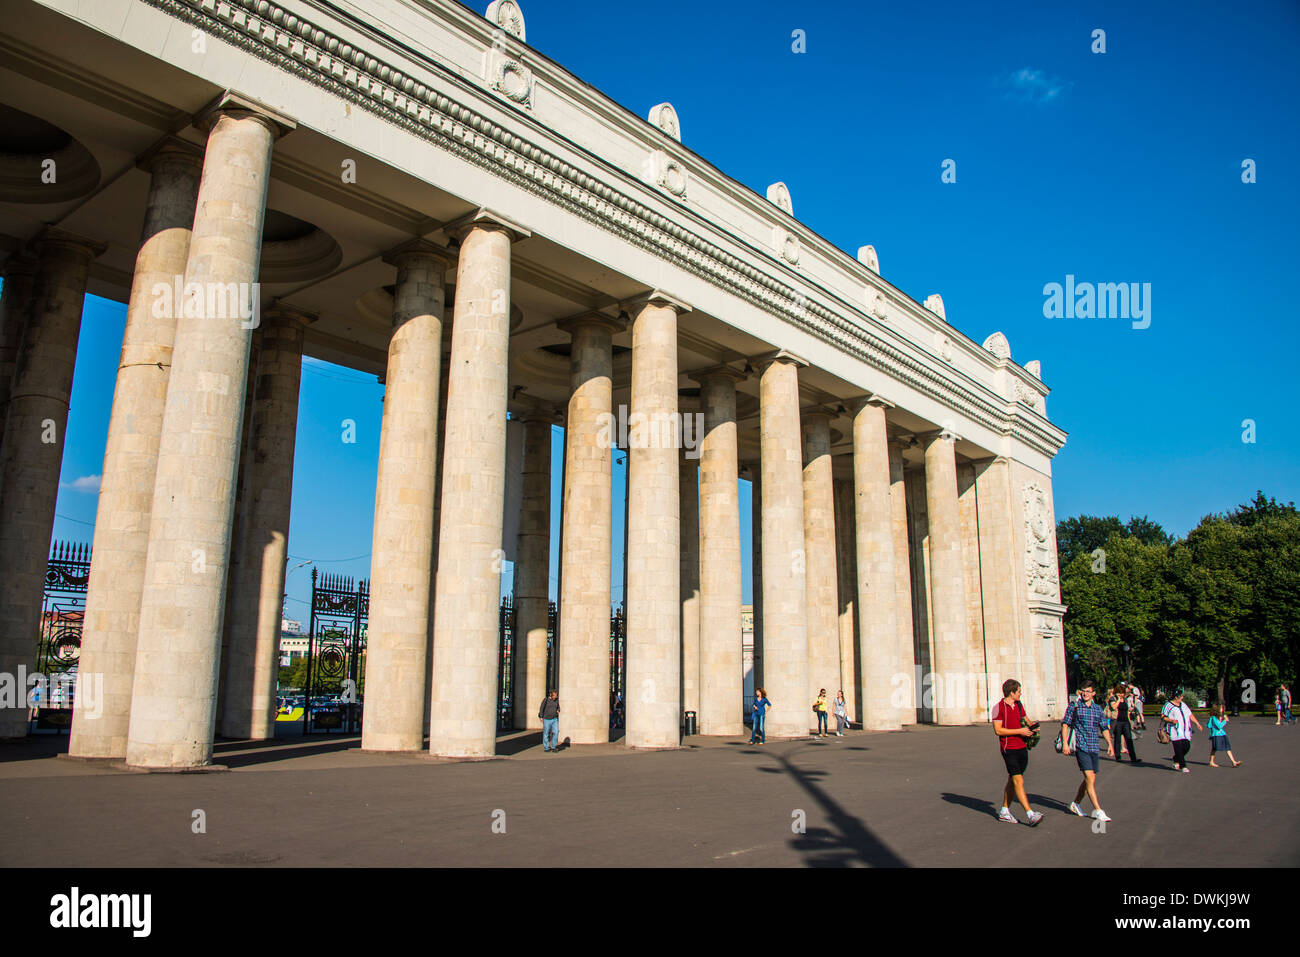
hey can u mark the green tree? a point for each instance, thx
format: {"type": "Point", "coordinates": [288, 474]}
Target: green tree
{"type": "Point", "coordinates": [1081, 535]}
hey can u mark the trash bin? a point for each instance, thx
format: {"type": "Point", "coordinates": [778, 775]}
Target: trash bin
{"type": "Point", "coordinates": [690, 723]}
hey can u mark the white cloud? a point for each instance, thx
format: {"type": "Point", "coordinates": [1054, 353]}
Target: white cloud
{"type": "Point", "coordinates": [1035, 86]}
{"type": "Point", "coordinates": [87, 483]}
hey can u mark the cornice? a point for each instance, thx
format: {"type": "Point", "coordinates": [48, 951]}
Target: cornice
{"type": "Point", "coordinates": [267, 30]}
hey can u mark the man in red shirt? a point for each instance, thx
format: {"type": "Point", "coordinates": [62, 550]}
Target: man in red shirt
{"type": "Point", "coordinates": [1012, 726]}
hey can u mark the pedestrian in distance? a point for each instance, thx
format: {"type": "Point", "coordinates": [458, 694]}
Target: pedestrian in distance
{"type": "Point", "coordinates": [1121, 725]}
{"type": "Point", "coordinates": [1112, 712]}
{"type": "Point", "coordinates": [1277, 708]}
{"type": "Point", "coordinates": [1014, 729]}
{"type": "Point", "coordinates": [1217, 725]}
{"type": "Point", "coordinates": [1136, 702]}
{"type": "Point", "coordinates": [841, 711]}
{"type": "Point", "coordinates": [1088, 719]}
{"type": "Point", "coordinates": [1178, 719]}
{"type": "Point", "coordinates": [549, 712]}
{"type": "Point", "coordinates": [758, 734]}
{"type": "Point", "coordinates": [1286, 705]}
{"type": "Point", "coordinates": [819, 709]}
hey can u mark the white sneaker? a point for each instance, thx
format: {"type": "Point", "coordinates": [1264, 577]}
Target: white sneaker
{"type": "Point", "coordinates": [1006, 815]}
{"type": "Point", "coordinates": [1033, 818]}
{"type": "Point", "coordinates": [1101, 815]}
{"type": "Point", "coordinates": [1075, 809]}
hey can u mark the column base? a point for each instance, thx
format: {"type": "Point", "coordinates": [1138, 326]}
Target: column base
{"type": "Point", "coordinates": [200, 769]}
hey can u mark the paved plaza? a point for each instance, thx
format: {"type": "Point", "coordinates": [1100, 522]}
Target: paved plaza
{"type": "Point", "coordinates": [920, 797]}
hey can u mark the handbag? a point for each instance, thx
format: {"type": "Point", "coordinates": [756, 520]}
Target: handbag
{"type": "Point", "coordinates": [1162, 736]}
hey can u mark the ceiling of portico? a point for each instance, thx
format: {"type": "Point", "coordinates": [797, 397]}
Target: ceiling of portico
{"type": "Point", "coordinates": [118, 102]}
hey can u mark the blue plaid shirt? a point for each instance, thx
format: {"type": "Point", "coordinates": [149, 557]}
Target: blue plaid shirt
{"type": "Point", "coordinates": [1088, 723]}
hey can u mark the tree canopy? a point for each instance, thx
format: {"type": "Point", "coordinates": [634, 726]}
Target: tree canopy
{"type": "Point", "coordinates": [1208, 611]}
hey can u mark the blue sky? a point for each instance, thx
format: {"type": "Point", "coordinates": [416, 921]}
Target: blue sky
{"type": "Point", "coordinates": [1117, 167]}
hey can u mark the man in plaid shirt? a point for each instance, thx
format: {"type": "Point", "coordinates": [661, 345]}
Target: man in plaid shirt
{"type": "Point", "coordinates": [1088, 720]}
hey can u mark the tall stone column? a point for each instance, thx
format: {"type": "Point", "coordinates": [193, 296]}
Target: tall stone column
{"type": "Point", "coordinates": [112, 619]}
{"type": "Point", "coordinates": [401, 563]}
{"type": "Point", "coordinates": [950, 657]}
{"type": "Point", "coordinates": [257, 600]}
{"type": "Point", "coordinates": [466, 624]}
{"type": "Point", "coordinates": [533, 571]}
{"type": "Point", "coordinates": [721, 656]}
{"type": "Point", "coordinates": [688, 485]}
{"type": "Point", "coordinates": [877, 597]}
{"type": "Point", "coordinates": [1004, 616]}
{"type": "Point", "coordinates": [785, 609]}
{"type": "Point", "coordinates": [33, 449]}
{"type": "Point", "coordinates": [588, 535]}
{"type": "Point", "coordinates": [173, 698]}
{"type": "Point", "coordinates": [654, 713]}
{"type": "Point", "coordinates": [980, 688]}
{"type": "Point", "coordinates": [846, 538]}
{"type": "Point", "coordinates": [756, 567]}
{"type": "Point", "coordinates": [819, 560]}
{"type": "Point", "coordinates": [14, 301]}
{"type": "Point", "coordinates": [905, 662]}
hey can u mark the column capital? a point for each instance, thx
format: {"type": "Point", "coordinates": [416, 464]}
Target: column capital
{"type": "Point", "coordinates": [760, 363]}
{"type": "Point", "coordinates": [284, 313]}
{"type": "Point", "coordinates": [482, 218]}
{"type": "Point", "coordinates": [857, 404]}
{"type": "Point", "coordinates": [19, 264]}
{"type": "Point", "coordinates": [927, 438]}
{"type": "Point", "coordinates": [584, 320]}
{"type": "Point", "coordinates": [420, 248]}
{"type": "Point", "coordinates": [655, 297]}
{"type": "Point", "coordinates": [170, 149]}
{"type": "Point", "coordinates": [816, 412]}
{"type": "Point", "coordinates": [720, 371]}
{"type": "Point", "coordinates": [52, 237]}
{"type": "Point", "coordinates": [540, 413]}
{"type": "Point", "coordinates": [230, 103]}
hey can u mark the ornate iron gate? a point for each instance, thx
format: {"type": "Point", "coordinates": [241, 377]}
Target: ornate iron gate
{"type": "Point", "coordinates": [336, 649]}
{"type": "Point", "coordinates": [58, 648]}
{"type": "Point", "coordinates": [506, 667]}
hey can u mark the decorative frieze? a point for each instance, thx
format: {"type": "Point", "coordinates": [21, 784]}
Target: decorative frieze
{"type": "Point", "coordinates": [1040, 544]}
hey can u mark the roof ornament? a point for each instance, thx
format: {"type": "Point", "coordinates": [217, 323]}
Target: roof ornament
{"type": "Point", "coordinates": [665, 117]}
{"type": "Point", "coordinates": [778, 194]}
{"type": "Point", "coordinates": [507, 15]}
{"type": "Point", "coordinates": [934, 303]}
{"type": "Point", "coordinates": [867, 256]}
{"type": "Point", "coordinates": [998, 345]}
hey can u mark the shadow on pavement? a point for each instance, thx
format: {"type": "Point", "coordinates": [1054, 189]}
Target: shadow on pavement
{"type": "Point", "coordinates": [285, 751]}
{"type": "Point", "coordinates": [850, 841]}
{"type": "Point", "coordinates": [974, 803]}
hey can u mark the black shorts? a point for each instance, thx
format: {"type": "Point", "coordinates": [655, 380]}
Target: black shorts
{"type": "Point", "coordinates": [1016, 760]}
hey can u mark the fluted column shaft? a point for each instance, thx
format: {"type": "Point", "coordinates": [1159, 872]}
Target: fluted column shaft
{"type": "Point", "coordinates": [587, 537]}
{"type": "Point", "coordinates": [785, 609]}
{"type": "Point", "coordinates": [533, 572]}
{"type": "Point", "coordinates": [173, 700]}
{"type": "Point", "coordinates": [756, 568]}
{"type": "Point", "coordinates": [257, 600]}
{"type": "Point", "coordinates": [950, 657]}
{"type": "Point", "coordinates": [721, 645]}
{"type": "Point", "coordinates": [32, 455]}
{"type": "Point", "coordinates": [401, 563]}
{"type": "Point", "coordinates": [463, 710]}
{"type": "Point", "coordinates": [654, 534]}
{"type": "Point", "coordinates": [112, 621]}
{"type": "Point", "coordinates": [877, 596]}
{"type": "Point", "coordinates": [819, 547]}
{"type": "Point", "coordinates": [905, 662]}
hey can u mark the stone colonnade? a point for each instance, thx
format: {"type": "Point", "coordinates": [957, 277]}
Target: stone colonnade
{"type": "Point", "coordinates": [856, 580]}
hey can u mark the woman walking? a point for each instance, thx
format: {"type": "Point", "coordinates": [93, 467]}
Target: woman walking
{"type": "Point", "coordinates": [1123, 732]}
{"type": "Point", "coordinates": [761, 704]}
{"type": "Point", "coordinates": [841, 710]}
{"type": "Point", "coordinates": [1218, 728]}
{"type": "Point", "coordinates": [819, 706]}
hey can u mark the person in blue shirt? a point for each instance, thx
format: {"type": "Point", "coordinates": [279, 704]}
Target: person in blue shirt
{"type": "Point", "coordinates": [1088, 719]}
{"type": "Point", "coordinates": [761, 704]}
{"type": "Point", "coordinates": [1218, 728]}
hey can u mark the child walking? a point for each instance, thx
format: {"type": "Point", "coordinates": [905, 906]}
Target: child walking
{"type": "Point", "coordinates": [1218, 728]}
